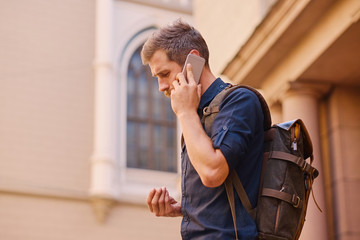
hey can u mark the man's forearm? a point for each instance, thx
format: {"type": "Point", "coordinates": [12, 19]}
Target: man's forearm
{"type": "Point", "coordinates": [209, 163]}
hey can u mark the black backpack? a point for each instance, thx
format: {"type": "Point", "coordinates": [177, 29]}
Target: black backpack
{"type": "Point", "coordinates": [286, 178]}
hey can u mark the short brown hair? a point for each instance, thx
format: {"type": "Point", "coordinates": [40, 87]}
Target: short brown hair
{"type": "Point", "coordinates": [177, 39]}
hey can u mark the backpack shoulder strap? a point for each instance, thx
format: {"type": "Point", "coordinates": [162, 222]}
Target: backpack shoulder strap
{"type": "Point", "coordinates": [231, 182]}
{"type": "Point", "coordinates": [211, 111]}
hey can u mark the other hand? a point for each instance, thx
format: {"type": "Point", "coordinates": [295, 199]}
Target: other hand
{"type": "Point", "coordinates": [161, 204]}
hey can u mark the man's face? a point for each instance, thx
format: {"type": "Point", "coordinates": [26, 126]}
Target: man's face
{"type": "Point", "coordinates": [165, 71]}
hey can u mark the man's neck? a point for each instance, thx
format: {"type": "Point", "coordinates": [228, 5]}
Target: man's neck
{"type": "Point", "coordinates": [207, 78]}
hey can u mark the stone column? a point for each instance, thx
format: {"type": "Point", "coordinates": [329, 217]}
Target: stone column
{"type": "Point", "coordinates": [301, 101]}
{"type": "Point", "coordinates": [104, 190]}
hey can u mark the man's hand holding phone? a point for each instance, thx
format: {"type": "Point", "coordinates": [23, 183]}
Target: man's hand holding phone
{"type": "Point", "coordinates": [185, 96]}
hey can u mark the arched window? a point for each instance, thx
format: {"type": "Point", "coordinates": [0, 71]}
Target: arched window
{"type": "Point", "coordinates": [151, 123]}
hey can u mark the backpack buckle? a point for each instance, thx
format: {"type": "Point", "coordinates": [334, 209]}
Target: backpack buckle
{"type": "Point", "coordinates": [296, 201]}
{"type": "Point", "coordinates": [304, 166]}
{"type": "Point", "coordinates": [206, 111]}
{"type": "Point", "coordinates": [210, 110]}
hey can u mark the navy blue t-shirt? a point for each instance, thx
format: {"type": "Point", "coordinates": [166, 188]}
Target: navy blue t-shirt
{"type": "Point", "coordinates": [238, 132]}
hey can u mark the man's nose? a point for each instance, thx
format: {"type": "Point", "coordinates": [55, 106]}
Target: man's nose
{"type": "Point", "coordinates": [163, 86]}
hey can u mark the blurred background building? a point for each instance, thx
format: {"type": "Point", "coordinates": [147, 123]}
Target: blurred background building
{"type": "Point", "coordinates": [84, 133]}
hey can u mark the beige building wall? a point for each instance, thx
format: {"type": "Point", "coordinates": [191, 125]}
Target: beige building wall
{"type": "Point", "coordinates": [26, 217]}
{"type": "Point", "coordinates": [234, 22]}
{"type": "Point", "coordinates": [46, 96]}
{"type": "Point", "coordinates": [47, 109]}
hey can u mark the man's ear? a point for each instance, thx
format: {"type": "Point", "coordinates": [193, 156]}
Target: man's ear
{"type": "Point", "coordinates": [195, 52]}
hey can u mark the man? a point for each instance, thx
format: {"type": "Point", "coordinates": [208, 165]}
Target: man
{"type": "Point", "coordinates": [236, 140]}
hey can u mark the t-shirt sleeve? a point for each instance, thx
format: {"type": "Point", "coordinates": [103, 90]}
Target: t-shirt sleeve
{"type": "Point", "coordinates": [236, 124]}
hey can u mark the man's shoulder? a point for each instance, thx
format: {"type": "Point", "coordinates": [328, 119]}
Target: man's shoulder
{"type": "Point", "coordinates": [241, 95]}
{"type": "Point", "coordinates": [242, 90]}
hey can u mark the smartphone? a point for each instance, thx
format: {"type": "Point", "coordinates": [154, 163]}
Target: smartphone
{"type": "Point", "coordinates": [197, 64]}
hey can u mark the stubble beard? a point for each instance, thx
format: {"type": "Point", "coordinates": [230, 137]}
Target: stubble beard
{"type": "Point", "coordinates": [167, 93]}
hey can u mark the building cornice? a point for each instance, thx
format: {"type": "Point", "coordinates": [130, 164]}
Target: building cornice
{"type": "Point", "coordinates": [176, 6]}
{"type": "Point", "coordinates": [283, 27]}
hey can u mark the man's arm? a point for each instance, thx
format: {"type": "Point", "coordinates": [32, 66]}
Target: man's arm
{"type": "Point", "coordinates": [209, 163]}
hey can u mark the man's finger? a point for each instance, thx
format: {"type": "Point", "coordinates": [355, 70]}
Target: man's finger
{"type": "Point", "coordinates": [181, 77]}
{"type": "Point", "coordinates": [155, 201]}
{"type": "Point", "coordinates": [149, 199]}
{"type": "Point", "coordinates": [190, 74]}
{"type": "Point", "coordinates": [199, 90]}
{"type": "Point", "coordinates": [167, 202]}
{"type": "Point", "coordinates": [176, 84]}
{"type": "Point", "coordinates": [161, 202]}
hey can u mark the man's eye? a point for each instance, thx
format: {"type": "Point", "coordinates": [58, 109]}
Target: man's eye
{"type": "Point", "coordinates": [165, 74]}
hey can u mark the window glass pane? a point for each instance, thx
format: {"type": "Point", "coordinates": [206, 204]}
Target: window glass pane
{"type": "Point", "coordinates": [143, 149]}
{"type": "Point", "coordinates": [143, 95]}
{"type": "Point", "coordinates": [131, 150]}
{"type": "Point", "coordinates": [170, 148]}
{"type": "Point", "coordinates": [157, 100]}
{"type": "Point", "coordinates": [170, 138]}
{"type": "Point", "coordinates": [131, 93]}
{"type": "Point", "coordinates": [135, 60]}
{"type": "Point", "coordinates": [168, 110]}
{"type": "Point", "coordinates": [170, 153]}
{"type": "Point", "coordinates": [158, 145]}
